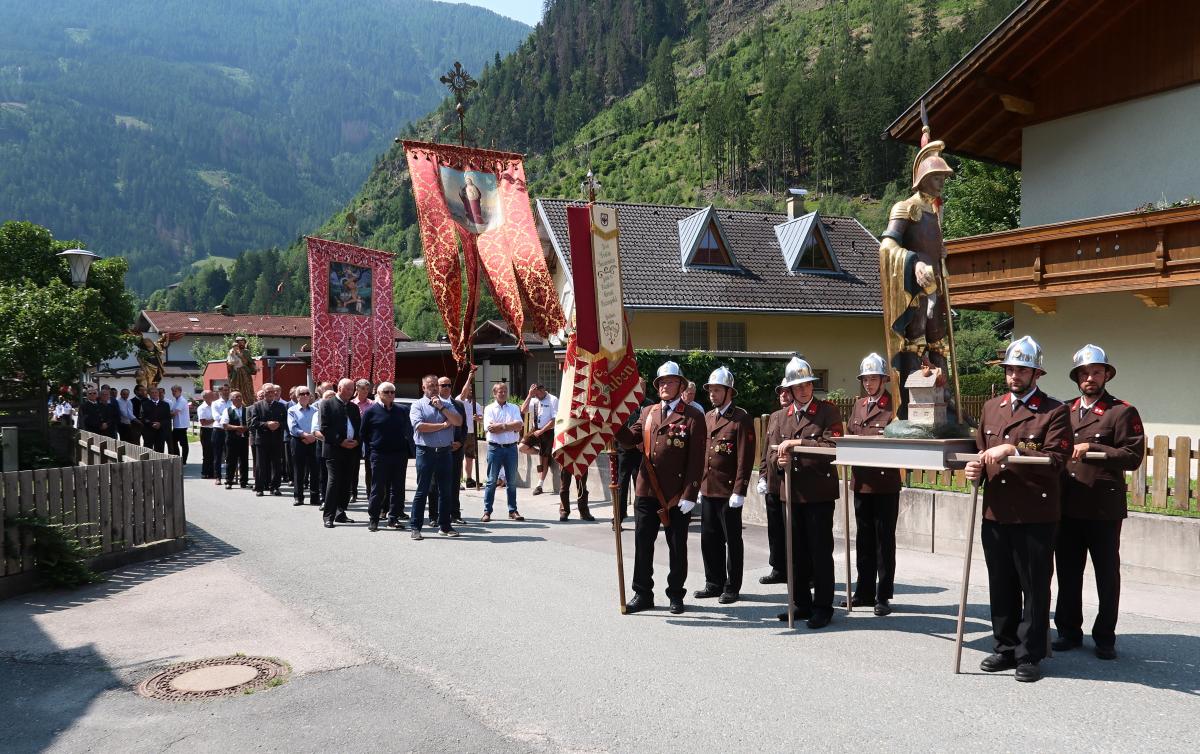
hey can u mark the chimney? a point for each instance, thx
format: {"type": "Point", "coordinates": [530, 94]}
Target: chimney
{"type": "Point", "coordinates": [795, 202]}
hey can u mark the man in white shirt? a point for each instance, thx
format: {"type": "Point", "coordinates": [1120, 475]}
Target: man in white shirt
{"type": "Point", "coordinates": [220, 409]}
{"type": "Point", "coordinates": [126, 417]}
{"type": "Point", "coordinates": [204, 415]}
{"type": "Point", "coordinates": [181, 419]}
{"type": "Point", "coordinates": [540, 441]}
{"type": "Point", "coordinates": [503, 423]}
{"type": "Point", "coordinates": [471, 412]}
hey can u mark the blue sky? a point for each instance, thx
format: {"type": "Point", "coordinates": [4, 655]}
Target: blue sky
{"type": "Point", "coordinates": [528, 11]}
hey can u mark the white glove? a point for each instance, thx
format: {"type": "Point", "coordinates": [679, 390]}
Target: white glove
{"type": "Point", "coordinates": [686, 506]}
{"type": "Point", "coordinates": [762, 485]}
{"type": "Point", "coordinates": [737, 501]}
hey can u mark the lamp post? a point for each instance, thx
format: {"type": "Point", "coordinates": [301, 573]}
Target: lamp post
{"type": "Point", "coordinates": [80, 261]}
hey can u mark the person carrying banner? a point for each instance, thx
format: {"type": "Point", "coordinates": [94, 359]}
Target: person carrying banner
{"type": "Point", "coordinates": [673, 440]}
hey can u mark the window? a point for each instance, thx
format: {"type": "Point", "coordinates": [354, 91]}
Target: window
{"type": "Point", "coordinates": [731, 336]}
{"type": "Point", "coordinates": [711, 250]}
{"type": "Point", "coordinates": [270, 352]}
{"type": "Point", "coordinates": [814, 254]}
{"type": "Point", "coordinates": [693, 336]}
{"type": "Point", "coordinates": [822, 376]}
{"type": "Point", "coordinates": [550, 375]}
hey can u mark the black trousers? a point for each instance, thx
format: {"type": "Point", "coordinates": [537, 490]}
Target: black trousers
{"type": "Point", "coordinates": [206, 453]}
{"type": "Point", "coordinates": [286, 470]}
{"type": "Point", "coordinates": [155, 439]}
{"type": "Point", "coordinates": [645, 532]}
{"type": "Point", "coordinates": [875, 544]}
{"type": "Point", "coordinates": [354, 481]}
{"type": "Point", "coordinates": [721, 543]}
{"type": "Point", "coordinates": [438, 497]}
{"type": "Point", "coordinates": [812, 557]}
{"type": "Point", "coordinates": [237, 459]}
{"type": "Point", "coordinates": [339, 465]}
{"type": "Point", "coordinates": [1019, 562]}
{"type": "Point", "coordinates": [1077, 538]}
{"type": "Point", "coordinates": [304, 471]}
{"type": "Point", "coordinates": [218, 452]}
{"type": "Point", "coordinates": [322, 469]}
{"type": "Point", "coordinates": [178, 440]}
{"type": "Point", "coordinates": [388, 474]}
{"type": "Point", "coordinates": [628, 464]}
{"type": "Point", "coordinates": [776, 534]}
{"type": "Point", "coordinates": [268, 460]}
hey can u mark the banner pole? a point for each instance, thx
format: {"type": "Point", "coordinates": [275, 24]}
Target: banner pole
{"type": "Point", "coordinates": [617, 528]}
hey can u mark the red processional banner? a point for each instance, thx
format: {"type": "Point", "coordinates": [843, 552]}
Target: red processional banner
{"type": "Point", "coordinates": [477, 199]}
{"type": "Point", "coordinates": [600, 376]}
{"type": "Point", "coordinates": [353, 321]}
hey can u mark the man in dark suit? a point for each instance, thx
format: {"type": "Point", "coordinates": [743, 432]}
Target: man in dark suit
{"type": "Point", "coordinates": [810, 422]}
{"type": "Point", "coordinates": [91, 419]}
{"type": "Point", "coordinates": [770, 485]}
{"type": "Point", "coordinates": [268, 422]}
{"type": "Point", "coordinates": [673, 440]}
{"type": "Point", "coordinates": [340, 429]}
{"type": "Point", "coordinates": [136, 430]}
{"type": "Point", "coordinates": [156, 420]}
{"type": "Point", "coordinates": [1021, 508]}
{"type": "Point", "coordinates": [387, 438]}
{"type": "Point", "coordinates": [237, 453]}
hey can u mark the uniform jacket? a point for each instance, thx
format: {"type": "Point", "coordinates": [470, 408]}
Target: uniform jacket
{"type": "Point", "coordinates": [814, 479]}
{"type": "Point", "coordinates": [333, 415]}
{"type": "Point", "coordinates": [766, 464]}
{"type": "Point", "coordinates": [1096, 489]}
{"type": "Point", "coordinates": [1017, 494]}
{"type": "Point", "coordinates": [262, 412]}
{"type": "Point", "coordinates": [678, 440]}
{"type": "Point", "coordinates": [870, 421]}
{"type": "Point", "coordinates": [730, 453]}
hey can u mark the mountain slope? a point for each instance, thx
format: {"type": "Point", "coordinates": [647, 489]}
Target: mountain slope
{"type": "Point", "coordinates": [172, 130]}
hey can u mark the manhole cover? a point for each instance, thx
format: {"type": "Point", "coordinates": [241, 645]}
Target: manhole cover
{"type": "Point", "coordinates": [216, 676]}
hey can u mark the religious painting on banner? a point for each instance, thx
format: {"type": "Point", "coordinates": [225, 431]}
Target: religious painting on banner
{"type": "Point", "coordinates": [354, 330]}
{"type": "Point", "coordinates": [600, 377]}
{"type": "Point", "coordinates": [477, 200]}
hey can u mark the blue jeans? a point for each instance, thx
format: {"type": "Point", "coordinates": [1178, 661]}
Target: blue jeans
{"type": "Point", "coordinates": [434, 464]}
{"type": "Point", "coordinates": [497, 457]}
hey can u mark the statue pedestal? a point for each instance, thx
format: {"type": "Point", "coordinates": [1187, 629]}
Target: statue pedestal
{"type": "Point", "coordinates": [903, 453]}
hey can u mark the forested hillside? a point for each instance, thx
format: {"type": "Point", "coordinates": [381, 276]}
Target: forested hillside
{"type": "Point", "coordinates": [727, 103]}
{"type": "Point", "coordinates": [170, 131]}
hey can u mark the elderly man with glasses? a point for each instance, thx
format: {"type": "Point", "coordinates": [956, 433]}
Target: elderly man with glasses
{"type": "Point", "coordinates": [386, 436]}
{"type": "Point", "coordinates": [304, 447]}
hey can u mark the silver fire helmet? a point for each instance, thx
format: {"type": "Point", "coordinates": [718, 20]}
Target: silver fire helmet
{"type": "Point", "coordinates": [721, 376]}
{"type": "Point", "coordinates": [669, 369]}
{"type": "Point", "coordinates": [1091, 354]}
{"type": "Point", "coordinates": [1024, 353]}
{"type": "Point", "coordinates": [797, 372]}
{"type": "Point", "coordinates": [873, 364]}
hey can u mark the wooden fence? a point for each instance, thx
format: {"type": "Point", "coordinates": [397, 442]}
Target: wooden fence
{"type": "Point", "coordinates": [121, 497]}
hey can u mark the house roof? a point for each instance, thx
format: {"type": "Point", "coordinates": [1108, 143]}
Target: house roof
{"type": "Point", "coordinates": [694, 227]}
{"type": "Point", "coordinates": [793, 234]}
{"type": "Point", "coordinates": [651, 276]}
{"type": "Point", "coordinates": [209, 323]}
{"type": "Point", "coordinates": [1053, 58]}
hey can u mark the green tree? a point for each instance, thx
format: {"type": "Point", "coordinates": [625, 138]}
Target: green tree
{"type": "Point", "coordinates": [662, 78]}
{"type": "Point", "coordinates": [51, 331]}
{"type": "Point", "coordinates": [981, 198]}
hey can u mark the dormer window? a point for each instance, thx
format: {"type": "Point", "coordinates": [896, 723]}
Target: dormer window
{"type": "Point", "coordinates": [805, 246]}
{"type": "Point", "coordinates": [702, 241]}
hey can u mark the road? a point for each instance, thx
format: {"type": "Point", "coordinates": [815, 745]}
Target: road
{"type": "Point", "coordinates": [509, 639]}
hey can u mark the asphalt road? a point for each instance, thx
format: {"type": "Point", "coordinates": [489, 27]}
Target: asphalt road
{"type": "Point", "coordinates": [509, 639]}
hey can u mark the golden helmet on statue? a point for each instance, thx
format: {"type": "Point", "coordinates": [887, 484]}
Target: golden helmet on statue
{"type": "Point", "coordinates": [929, 161]}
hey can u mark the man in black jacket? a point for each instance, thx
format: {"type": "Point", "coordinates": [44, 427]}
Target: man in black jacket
{"type": "Point", "coordinates": [156, 420]}
{"type": "Point", "coordinates": [237, 455]}
{"type": "Point", "coordinates": [387, 438]}
{"type": "Point", "coordinates": [340, 427]}
{"type": "Point", "coordinates": [268, 420]}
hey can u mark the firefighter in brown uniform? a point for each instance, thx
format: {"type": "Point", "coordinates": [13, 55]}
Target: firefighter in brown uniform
{"type": "Point", "coordinates": [876, 494]}
{"type": "Point", "coordinates": [729, 459]}
{"type": "Point", "coordinates": [770, 479]}
{"type": "Point", "coordinates": [1020, 508]}
{"type": "Point", "coordinates": [1094, 502]}
{"type": "Point", "coordinates": [673, 440]}
{"type": "Point", "coordinates": [810, 422]}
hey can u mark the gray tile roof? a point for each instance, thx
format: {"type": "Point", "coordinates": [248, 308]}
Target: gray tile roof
{"type": "Point", "coordinates": [652, 277]}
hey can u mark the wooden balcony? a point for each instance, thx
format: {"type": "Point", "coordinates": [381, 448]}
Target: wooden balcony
{"type": "Point", "coordinates": [1145, 253]}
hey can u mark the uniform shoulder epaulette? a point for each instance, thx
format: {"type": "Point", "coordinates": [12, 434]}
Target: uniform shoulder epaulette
{"type": "Point", "coordinates": [907, 209]}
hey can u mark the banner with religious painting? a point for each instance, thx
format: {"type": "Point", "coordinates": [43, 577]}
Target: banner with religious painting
{"type": "Point", "coordinates": [476, 200]}
{"type": "Point", "coordinates": [354, 330]}
{"type": "Point", "coordinates": [600, 376]}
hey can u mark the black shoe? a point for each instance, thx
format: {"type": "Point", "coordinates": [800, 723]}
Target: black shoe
{"type": "Point", "coordinates": [448, 533]}
{"type": "Point", "coordinates": [372, 526]}
{"type": "Point", "coordinates": [457, 520]}
{"type": "Point", "coordinates": [998, 661]}
{"type": "Point", "coordinates": [342, 518]}
{"type": "Point", "coordinates": [298, 502]}
{"type": "Point", "coordinates": [774, 577]}
{"type": "Point", "coordinates": [1106, 653]}
{"type": "Point", "coordinates": [676, 607]}
{"type": "Point", "coordinates": [857, 601]}
{"type": "Point", "coordinates": [820, 620]}
{"type": "Point", "coordinates": [328, 524]}
{"type": "Point", "coordinates": [394, 524]}
{"type": "Point", "coordinates": [276, 492]}
{"type": "Point", "coordinates": [1065, 644]}
{"type": "Point", "coordinates": [563, 515]}
{"type": "Point", "coordinates": [314, 502]}
{"type": "Point", "coordinates": [229, 486]}
{"type": "Point", "coordinates": [1028, 671]}
{"type": "Point", "coordinates": [796, 614]}
{"type": "Point", "coordinates": [709, 591]}
{"type": "Point", "coordinates": [728, 598]}
{"type": "Point", "coordinates": [417, 535]}
{"type": "Point", "coordinates": [639, 603]}
{"type": "Point", "coordinates": [882, 608]}
{"type": "Point", "coordinates": [403, 516]}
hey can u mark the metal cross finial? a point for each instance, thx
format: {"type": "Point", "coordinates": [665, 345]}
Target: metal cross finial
{"type": "Point", "coordinates": [459, 82]}
{"type": "Point", "coordinates": [590, 186]}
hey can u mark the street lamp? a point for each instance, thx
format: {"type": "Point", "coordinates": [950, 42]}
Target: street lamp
{"type": "Point", "coordinates": [81, 262]}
